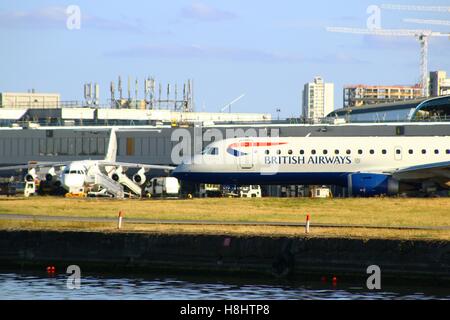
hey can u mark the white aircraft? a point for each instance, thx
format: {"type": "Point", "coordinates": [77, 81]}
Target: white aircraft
{"type": "Point", "coordinates": [74, 176]}
{"type": "Point", "coordinates": [365, 165]}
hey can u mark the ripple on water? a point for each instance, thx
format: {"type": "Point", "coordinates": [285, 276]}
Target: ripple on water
{"type": "Point", "coordinates": [31, 286]}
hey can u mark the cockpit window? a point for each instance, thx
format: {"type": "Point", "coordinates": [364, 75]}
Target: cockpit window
{"type": "Point", "coordinates": [67, 171]}
{"type": "Point", "coordinates": [211, 151]}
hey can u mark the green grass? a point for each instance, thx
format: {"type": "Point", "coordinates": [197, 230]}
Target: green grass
{"type": "Point", "coordinates": [368, 211]}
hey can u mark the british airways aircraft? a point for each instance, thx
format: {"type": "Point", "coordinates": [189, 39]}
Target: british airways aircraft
{"type": "Point", "coordinates": [367, 166]}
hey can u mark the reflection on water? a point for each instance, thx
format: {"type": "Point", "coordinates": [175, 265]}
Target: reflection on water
{"type": "Point", "coordinates": [33, 286]}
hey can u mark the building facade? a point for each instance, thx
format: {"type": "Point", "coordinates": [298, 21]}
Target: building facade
{"type": "Point", "coordinates": [318, 99]}
{"type": "Point", "coordinates": [358, 95]}
{"type": "Point", "coordinates": [439, 84]}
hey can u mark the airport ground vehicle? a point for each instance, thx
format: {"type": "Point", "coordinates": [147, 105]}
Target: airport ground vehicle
{"type": "Point", "coordinates": [165, 187]}
{"type": "Point", "coordinates": [320, 192]}
{"type": "Point", "coordinates": [245, 191]}
{"type": "Point", "coordinates": [14, 188]}
{"type": "Point", "coordinates": [250, 191]}
{"type": "Point", "coordinates": [210, 190]}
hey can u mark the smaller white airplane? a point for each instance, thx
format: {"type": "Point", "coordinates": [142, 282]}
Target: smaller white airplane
{"type": "Point", "coordinates": [74, 176]}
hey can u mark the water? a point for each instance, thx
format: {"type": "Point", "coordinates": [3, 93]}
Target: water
{"type": "Point", "coordinates": [26, 286]}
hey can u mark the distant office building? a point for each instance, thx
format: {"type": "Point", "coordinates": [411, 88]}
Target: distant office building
{"type": "Point", "coordinates": [439, 83]}
{"type": "Point", "coordinates": [19, 100]}
{"type": "Point", "coordinates": [358, 95]}
{"type": "Point", "coordinates": [318, 99]}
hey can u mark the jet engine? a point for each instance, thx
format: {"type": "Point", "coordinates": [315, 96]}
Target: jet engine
{"type": "Point", "coordinates": [369, 184]}
{"type": "Point", "coordinates": [140, 177]}
{"type": "Point", "coordinates": [51, 175]}
{"type": "Point", "coordinates": [116, 174]}
{"type": "Point", "coordinates": [31, 175]}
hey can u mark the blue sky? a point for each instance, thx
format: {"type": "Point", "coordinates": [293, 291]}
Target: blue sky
{"type": "Point", "coordinates": [265, 49]}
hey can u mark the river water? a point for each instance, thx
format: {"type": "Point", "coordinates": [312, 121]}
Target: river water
{"type": "Point", "coordinates": [36, 286]}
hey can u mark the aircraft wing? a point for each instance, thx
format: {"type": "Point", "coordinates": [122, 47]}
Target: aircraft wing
{"type": "Point", "coordinates": [438, 170]}
{"type": "Point", "coordinates": [35, 165]}
{"type": "Point", "coordinates": [136, 165]}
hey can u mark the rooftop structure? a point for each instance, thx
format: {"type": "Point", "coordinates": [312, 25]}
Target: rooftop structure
{"type": "Point", "coordinates": [18, 100]}
{"type": "Point", "coordinates": [431, 109]}
{"type": "Point", "coordinates": [360, 94]}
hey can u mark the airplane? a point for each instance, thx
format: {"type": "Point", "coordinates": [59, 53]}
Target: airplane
{"type": "Point", "coordinates": [73, 176]}
{"type": "Point", "coordinates": [367, 166]}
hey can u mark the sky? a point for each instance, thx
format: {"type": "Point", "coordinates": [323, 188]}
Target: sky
{"type": "Point", "coordinates": [266, 50]}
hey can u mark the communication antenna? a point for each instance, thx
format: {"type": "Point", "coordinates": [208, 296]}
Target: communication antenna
{"type": "Point", "coordinates": [112, 89]}
{"type": "Point", "coordinates": [152, 92]}
{"type": "Point", "coordinates": [129, 88]}
{"type": "Point", "coordinates": [119, 87]}
{"type": "Point", "coordinates": [168, 95]}
{"type": "Point", "coordinates": [146, 89]}
{"type": "Point", "coordinates": [136, 86]}
{"type": "Point", "coordinates": [97, 94]}
{"type": "Point", "coordinates": [176, 98]}
{"type": "Point", "coordinates": [160, 90]}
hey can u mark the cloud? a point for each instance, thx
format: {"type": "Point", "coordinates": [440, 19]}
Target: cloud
{"type": "Point", "coordinates": [202, 52]}
{"type": "Point", "coordinates": [202, 12]}
{"type": "Point", "coordinates": [55, 17]}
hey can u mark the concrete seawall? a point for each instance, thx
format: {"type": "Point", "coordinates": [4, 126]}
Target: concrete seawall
{"type": "Point", "coordinates": [427, 261]}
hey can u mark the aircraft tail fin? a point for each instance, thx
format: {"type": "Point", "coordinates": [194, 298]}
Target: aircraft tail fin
{"type": "Point", "coordinates": [111, 153]}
